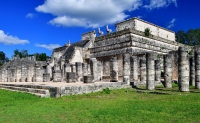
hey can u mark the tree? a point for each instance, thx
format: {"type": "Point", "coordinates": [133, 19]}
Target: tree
{"type": "Point", "coordinates": [3, 58]}
{"type": "Point", "coordinates": [191, 37]}
{"type": "Point", "coordinates": [21, 54]}
{"type": "Point", "coordinates": [41, 57]}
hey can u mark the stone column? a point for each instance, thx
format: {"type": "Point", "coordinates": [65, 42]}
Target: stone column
{"type": "Point", "coordinates": [67, 69]}
{"type": "Point", "coordinates": [93, 69]}
{"type": "Point", "coordinates": [12, 75]}
{"type": "Point", "coordinates": [114, 70]}
{"type": "Point", "coordinates": [134, 63]}
{"type": "Point", "coordinates": [57, 76]}
{"type": "Point", "coordinates": [71, 77]}
{"type": "Point", "coordinates": [168, 71]}
{"type": "Point", "coordinates": [143, 71]}
{"type": "Point", "coordinates": [30, 71]}
{"type": "Point", "coordinates": [18, 73]}
{"type": "Point", "coordinates": [73, 68]}
{"type": "Point", "coordinates": [0, 75]}
{"type": "Point", "coordinates": [85, 69]}
{"type": "Point", "coordinates": [150, 82]}
{"type": "Point", "coordinates": [3, 75]}
{"type": "Point", "coordinates": [79, 71]}
{"type": "Point", "coordinates": [23, 73]}
{"type": "Point", "coordinates": [38, 74]}
{"type": "Point", "coordinates": [192, 71]}
{"type": "Point", "coordinates": [197, 69]}
{"type": "Point", "coordinates": [7, 75]}
{"type": "Point", "coordinates": [49, 70]}
{"type": "Point", "coordinates": [126, 68]}
{"type": "Point", "coordinates": [183, 69]}
{"type": "Point", "coordinates": [158, 72]}
{"type": "Point", "coordinates": [46, 77]}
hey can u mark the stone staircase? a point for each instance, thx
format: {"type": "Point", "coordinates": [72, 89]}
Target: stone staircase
{"type": "Point", "coordinates": [43, 93]}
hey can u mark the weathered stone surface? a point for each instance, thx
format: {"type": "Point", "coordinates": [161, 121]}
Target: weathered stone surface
{"type": "Point", "coordinates": [85, 69]}
{"type": "Point", "coordinates": [192, 71]}
{"type": "Point", "coordinates": [183, 69]}
{"type": "Point", "coordinates": [79, 72]}
{"type": "Point", "coordinates": [57, 76]}
{"type": "Point", "coordinates": [197, 68]}
{"type": "Point", "coordinates": [168, 71]}
{"type": "Point", "coordinates": [93, 68]}
{"type": "Point", "coordinates": [114, 70]}
{"type": "Point", "coordinates": [126, 68]}
{"type": "Point", "coordinates": [88, 79]}
{"type": "Point", "coordinates": [142, 71]}
{"type": "Point", "coordinates": [134, 66]}
{"type": "Point", "coordinates": [150, 81]}
{"type": "Point", "coordinates": [46, 77]}
{"type": "Point", "coordinates": [157, 71]}
{"type": "Point", "coordinates": [71, 77]}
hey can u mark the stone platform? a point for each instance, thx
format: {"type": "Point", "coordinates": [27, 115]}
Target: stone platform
{"type": "Point", "coordinates": [58, 89]}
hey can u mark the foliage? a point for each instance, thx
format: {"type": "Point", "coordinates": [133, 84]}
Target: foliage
{"type": "Point", "coordinates": [3, 58]}
{"type": "Point", "coordinates": [118, 106]}
{"type": "Point", "coordinates": [106, 91]}
{"type": "Point", "coordinates": [191, 37]}
{"type": "Point", "coordinates": [22, 54]}
{"type": "Point", "coordinates": [41, 57]}
{"type": "Point", "coordinates": [147, 32]}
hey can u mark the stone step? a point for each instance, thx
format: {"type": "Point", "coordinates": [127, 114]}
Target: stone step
{"type": "Point", "coordinates": [37, 92]}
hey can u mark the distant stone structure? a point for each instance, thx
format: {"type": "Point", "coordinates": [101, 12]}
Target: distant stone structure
{"type": "Point", "coordinates": [127, 55]}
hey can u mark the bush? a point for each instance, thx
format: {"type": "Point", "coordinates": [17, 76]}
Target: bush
{"type": "Point", "coordinates": [106, 91]}
{"type": "Point", "coordinates": [147, 32]}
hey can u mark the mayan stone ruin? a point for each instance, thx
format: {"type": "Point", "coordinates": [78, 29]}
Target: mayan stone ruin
{"type": "Point", "coordinates": [122, 58]}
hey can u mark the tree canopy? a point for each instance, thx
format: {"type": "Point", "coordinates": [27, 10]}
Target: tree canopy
{"type": "Point", "coordinates": [191, 37]}
{"type": "Point", "coordinates": [24, 53]}
{"type": "Point", "coordinates": [3, 58]}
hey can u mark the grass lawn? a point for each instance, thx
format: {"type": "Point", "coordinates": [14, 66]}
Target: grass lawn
{"type": "Point", "coordinates": [125, 105]}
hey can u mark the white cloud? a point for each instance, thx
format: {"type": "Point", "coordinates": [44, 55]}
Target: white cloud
{"type": "Point", "coordinates": [88, 13]}
{"type": "Point", "coordinates": [171, 23]}
{"type": "Point", "coordinates": [153, 4]}
{"type": "Point", "coordinates": [11, 40]}
{"type": "Point", "coordinates": [30, 15]}
{"type": "Point", "coordinates": [48, 46]}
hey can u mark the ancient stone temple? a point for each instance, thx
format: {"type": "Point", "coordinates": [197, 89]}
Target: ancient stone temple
{"type": "Point", "coordinates": [127, 55]}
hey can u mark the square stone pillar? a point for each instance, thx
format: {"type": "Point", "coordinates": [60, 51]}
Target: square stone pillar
{"type": "Point", "coordinates": [46, 77]}
{"type": "Point", "coordinates": [85, 69]}
{"type": "Point", "coordinates": [38, 74]}
{"type": "Point", "coordinates": [71, 77]}
{"type": "Point", "coordinates": [93, 68]}
{"type": "Point", "coordinates": [67, 68]}
{"type": "Point", "coordinates": [49, 71]}
{"type": "Point", "coordinates": [114, 70]}
{"type": "Point", "coordinates": [30, 72]}
{"type": "Point", "coordinates": [18, 74]}
{"type": "Point", "coordinates": [12, 75]}
{"type": "Point", "coordinates": [23, 73]}
{"type": "Point", "coordinates": [57, 76]}
{"type": "Point", "coordinates": [134, 66]}
{"type": "Point", "coordinates": [79, 71]}
{"type": "Point", "coordinates": [8, 75]}
{"type": "Point", "coordinates": [126, 68]}
{"type": "Point", "coordinates": [157, 72]}
{"type": "Point", "coordinates": [143, 71]}
{"type": "Point", "coordinates": [73, 68]}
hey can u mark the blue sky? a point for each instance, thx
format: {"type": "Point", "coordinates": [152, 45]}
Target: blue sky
{"type": "Point", "coordinates": [41, 25]}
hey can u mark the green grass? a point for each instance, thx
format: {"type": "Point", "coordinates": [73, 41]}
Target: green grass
{"type": "Point", "coordinates": [125, 105]}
